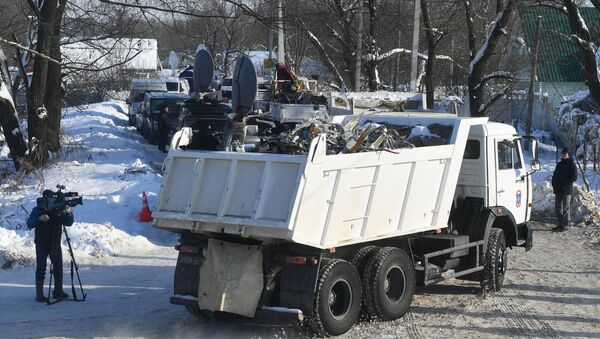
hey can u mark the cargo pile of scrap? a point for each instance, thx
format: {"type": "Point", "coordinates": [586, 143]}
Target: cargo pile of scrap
{"type": "Point", "coordinates": [353, 137]}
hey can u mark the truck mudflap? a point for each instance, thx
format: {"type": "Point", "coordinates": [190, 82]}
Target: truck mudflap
{"type": "Point", "coordinates": [231, 278]}
{"type": "Point", "coordinates": [526, 232]}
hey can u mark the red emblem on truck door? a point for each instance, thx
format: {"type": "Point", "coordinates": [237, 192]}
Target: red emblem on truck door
{"type": "Point", "coordinates": [518, 198]}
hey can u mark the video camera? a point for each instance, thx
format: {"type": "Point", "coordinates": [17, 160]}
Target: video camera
{"type": "Point", "coordinates": [59, 200]}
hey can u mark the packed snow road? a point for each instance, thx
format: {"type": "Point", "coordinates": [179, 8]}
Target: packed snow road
{"type": "Point", "coordinates": [552, 291]}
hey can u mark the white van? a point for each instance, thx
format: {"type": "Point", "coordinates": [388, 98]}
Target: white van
{"type": "Point", "coordinates": [176, 85]}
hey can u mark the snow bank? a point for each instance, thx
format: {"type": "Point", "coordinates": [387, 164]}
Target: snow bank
{"type": "Point", "coordinates": [107, 162]}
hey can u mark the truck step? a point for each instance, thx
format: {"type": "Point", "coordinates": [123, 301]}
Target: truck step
{"type": "Point", "coordinates": [436, 242]}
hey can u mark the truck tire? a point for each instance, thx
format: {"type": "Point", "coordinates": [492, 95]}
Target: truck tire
{"type": "Point", "coordinates": [361, 258]}
{"type": "Point", "coordinates": [496, 259]}
{"type": "Point", "coordinates": [337, 298]}
{"type": "Point", "coordinates": [389, 284]}
{"type": "Point", "coordinates": [359, 261]}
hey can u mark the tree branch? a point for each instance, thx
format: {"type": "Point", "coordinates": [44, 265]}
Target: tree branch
{"type": "Point", "coordinates": [167, 10]}
{"type": "Point", "coordinates": [16, 45]}
{"type": "Point", "coordinates": [496, 75]}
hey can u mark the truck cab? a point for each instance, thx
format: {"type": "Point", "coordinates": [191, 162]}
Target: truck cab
{"type": "Point", "coordinates": [494, 177]}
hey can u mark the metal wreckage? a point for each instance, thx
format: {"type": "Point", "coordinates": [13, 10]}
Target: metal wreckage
{"type": "Point", "coordinates": [352, 137]}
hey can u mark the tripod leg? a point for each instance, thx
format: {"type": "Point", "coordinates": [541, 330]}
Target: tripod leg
{"type": "Point", "coordinates": [73, 283]}
{"type": "Point", "coordinates": [73, 264]}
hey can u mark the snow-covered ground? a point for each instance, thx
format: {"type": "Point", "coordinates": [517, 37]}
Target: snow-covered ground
{"type": "Point", "coordinates": [127, 266]}
{"type": "Point", "coordinates": [110, 165]}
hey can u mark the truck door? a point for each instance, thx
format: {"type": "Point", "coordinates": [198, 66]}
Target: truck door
{"type": "Point", "coordinates": [511, 179]}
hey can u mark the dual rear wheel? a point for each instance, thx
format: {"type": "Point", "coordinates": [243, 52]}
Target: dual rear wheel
{"type": "Point", "coordinates": [380, 281]}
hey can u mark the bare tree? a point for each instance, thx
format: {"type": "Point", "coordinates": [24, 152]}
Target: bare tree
{"type": "Point", "coordinates": [582, 38]}
{"type": "Point", "coordinates": [481, 72]}
{"type": "Point", "coordinates": [434, 35]}
{"type": "Point", "coordinates": [9, 121]}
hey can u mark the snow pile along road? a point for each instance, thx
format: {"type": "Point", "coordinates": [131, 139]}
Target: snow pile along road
{"type": "Point", "coordinates": [108, 163]}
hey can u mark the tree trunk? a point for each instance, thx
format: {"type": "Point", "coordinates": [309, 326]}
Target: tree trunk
{"type": "Point", "coordinates": [37, 119]}
{"type": "Point", "coordinates": [372, 75]}
{"type": "Point", "coordinates": [359, 38]}
{"type": "Point", "coordinates": [480, 59]}
{"type": "Point", "coordinates": [582, 38]}
{"type": "Point", "coordinates": [431, 52]}
{"type": "Point", "coordinates": [53, 97]}
{"type": "Point", "coordinates": [371, 65]}
{"type": "Point", "coordinates": [12, 133]}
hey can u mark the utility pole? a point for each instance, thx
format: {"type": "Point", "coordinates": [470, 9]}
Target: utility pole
{"type": "Point", "coordinates": [280, 36]}
{"type": "Point", "coordinates": [397, 61]}
{"type": "Point", "coordinates": [270, 42]}
{"type": "Point", "coordinates": [452, 62]}
{"type": "Point", "coordinates": [534, 61]}
{"type": "Point", "coordinates": [357, 69]}
{"type": "Point", "coordinates": [415, 46]}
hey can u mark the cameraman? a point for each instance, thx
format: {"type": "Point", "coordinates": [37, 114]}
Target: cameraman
{"type": "Point", "coordinates": [48, 233]}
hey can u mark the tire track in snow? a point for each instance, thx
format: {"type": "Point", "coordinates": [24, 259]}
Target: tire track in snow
{"type": "Point", "coordinates": [411, 328]}
{"type": "Point", "coordinates": [519, 316]}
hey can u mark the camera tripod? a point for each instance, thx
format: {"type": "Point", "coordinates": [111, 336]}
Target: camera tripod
{"type": "Point", "coordinates": [74, 270]}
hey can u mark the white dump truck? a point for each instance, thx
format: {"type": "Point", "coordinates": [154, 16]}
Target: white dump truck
{"type": "Point", "coordinates": [331, 236]}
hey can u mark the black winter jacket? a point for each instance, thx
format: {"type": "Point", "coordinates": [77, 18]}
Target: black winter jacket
{"type": "Point", "coordinates": [565, 174]}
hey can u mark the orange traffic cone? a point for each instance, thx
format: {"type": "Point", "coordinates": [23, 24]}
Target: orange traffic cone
{"type": "Point", "coordinates": [145, 215]}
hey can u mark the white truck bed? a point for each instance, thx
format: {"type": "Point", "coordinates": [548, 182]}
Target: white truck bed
{"type": "Point", "coordinates": [318, 200]}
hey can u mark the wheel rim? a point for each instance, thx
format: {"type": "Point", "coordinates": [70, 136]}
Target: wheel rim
{"type": "Point", "coordinates": [340, 299]}
{"type": "Point", "coordinates": [502, 261]}
{"type": "Point", "coordinates": [395, 284]}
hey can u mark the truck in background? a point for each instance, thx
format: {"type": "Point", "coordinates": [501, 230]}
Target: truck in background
{"type": "Point", "coordinates": [148, 114]}
{"type": "Point", "coordinates": [139, 87]}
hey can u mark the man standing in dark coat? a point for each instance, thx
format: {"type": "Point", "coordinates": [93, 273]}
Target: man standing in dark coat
{"type": "Point", "coordinates": [563, 178]}
{"type": "Point", "coordinates": [48, 233]}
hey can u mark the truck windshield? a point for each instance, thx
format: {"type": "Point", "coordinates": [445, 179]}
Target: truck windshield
{"type": "Point", "coordinates": [157, 105]}
{"type": "Point", "coordinates": [172, 86]}
{"type": "Point", "coordinates": [137, 95]}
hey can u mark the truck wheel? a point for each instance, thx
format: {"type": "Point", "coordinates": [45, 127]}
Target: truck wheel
{"type": "Point", "coordinates": [359, 261]}
{"type": "Point", "coordinates": [496, 259]}
{"type": "Point", "coordinates": [389, 283]}
{"type": "Point", "coordinates": [361, 258]}
{"type": "Point", "coordinates": [336, 303]}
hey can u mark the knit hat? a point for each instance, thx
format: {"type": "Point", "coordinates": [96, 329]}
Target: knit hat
{"type": "Point", "coordinates": [565, 150]}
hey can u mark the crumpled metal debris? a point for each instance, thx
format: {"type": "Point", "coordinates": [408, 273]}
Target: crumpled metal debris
{"type": "Point", "coordinates": [372, 136]}
{"type": "Point", "coordinates": [297, 141]}
{"type": "Point", "coordinates": [354, 137]}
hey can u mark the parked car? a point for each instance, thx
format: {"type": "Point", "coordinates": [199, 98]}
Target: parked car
{"type": "Point", "coordinates": [226, 88]}
{"type": "Point", "coordinates": [152, 107]}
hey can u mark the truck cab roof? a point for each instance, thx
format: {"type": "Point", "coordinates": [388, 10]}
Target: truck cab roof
{"type": "Point", "coordinates": [166, 95]}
